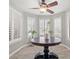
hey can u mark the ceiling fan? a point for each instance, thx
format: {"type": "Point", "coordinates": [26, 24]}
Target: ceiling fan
{"type": "Point", "coordinates": [44, 7]}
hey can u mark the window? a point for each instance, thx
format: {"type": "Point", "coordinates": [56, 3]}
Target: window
{"type": "Point", "coordinates": [17, 28]}
{"type": "Point", "coordinates": [41, 26]}
{"type": "Point", "coordinates": [14, 24]}
{"type": "Point", "coordinates": [30, 26]}
{"type": "Point", "coordinates": [57, 27]}
{"type": "Point", "coordinates": [44, 26]}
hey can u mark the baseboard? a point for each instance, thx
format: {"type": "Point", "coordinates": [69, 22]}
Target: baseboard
{"type": "Point", "coordinates": [11, 54]}
{"type": "Point", "coordinates": [65, 46]}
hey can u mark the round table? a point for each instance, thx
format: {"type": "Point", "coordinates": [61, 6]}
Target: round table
{"type": "Point", "coordinates": [41, 41]}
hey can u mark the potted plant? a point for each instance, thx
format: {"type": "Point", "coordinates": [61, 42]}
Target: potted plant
{"type": "Point", "coordinates": [33, 32]}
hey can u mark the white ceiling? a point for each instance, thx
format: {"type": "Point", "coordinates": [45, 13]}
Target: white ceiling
{"type": "Point", "coordinates": [24, 5]}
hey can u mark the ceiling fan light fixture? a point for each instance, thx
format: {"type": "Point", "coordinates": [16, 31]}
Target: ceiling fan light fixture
{"type": "Point", "coordinates": [43, 8]}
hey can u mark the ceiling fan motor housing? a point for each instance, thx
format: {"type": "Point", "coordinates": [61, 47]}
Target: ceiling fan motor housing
{"type": "Point", "coordinates": [43, 5]}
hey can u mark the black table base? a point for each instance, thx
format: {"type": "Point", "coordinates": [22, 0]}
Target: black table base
{"type": "Point", "coordinates": [46, 54]}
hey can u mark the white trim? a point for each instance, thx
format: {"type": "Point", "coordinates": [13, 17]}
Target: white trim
{"type": "Point", "coordinates": [11, 54]}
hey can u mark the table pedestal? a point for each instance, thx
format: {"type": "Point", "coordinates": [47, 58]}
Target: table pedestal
{"type": "Point", "coordinates": [46, 54]}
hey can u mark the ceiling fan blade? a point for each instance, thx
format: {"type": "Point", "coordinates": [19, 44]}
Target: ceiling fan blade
{"type": "Point", "coordinates": [50, 11]}
{"type": "Point", "coordinates": [34, 8]}
{"type": "Point", "coordinates": [52, 4]}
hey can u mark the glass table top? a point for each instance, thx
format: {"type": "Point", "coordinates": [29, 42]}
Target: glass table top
{"type": "Point", "coordinates": [44, 41]}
